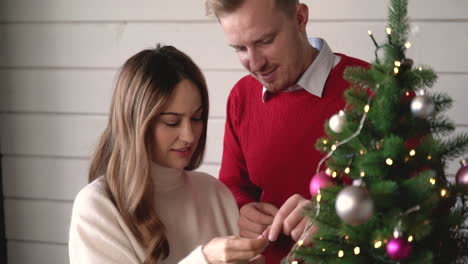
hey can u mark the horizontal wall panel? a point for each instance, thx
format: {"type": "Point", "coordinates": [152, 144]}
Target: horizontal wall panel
{"type": "Point", "coordinates": [43, 178]}
{"type": "Point", "coordinates": [51, 135]}
{"type": "Point", "coordinates": [108, 45]}
{"type": "Point", "coordinates": [53, 179]}
{"type": "Point", "coordinates": [181, 10]}
{"type": "Point", "coordinates": [89, 91]}
{"type": "Point", "coordinates": [86, 91]}
{"type": "Point", "coordinates": [57, 91]}
{"type": "Point", "coordinates": [44, 221]}
{"type": "Point", "coordinates": [20, 252]}
{"type": "Point", "coordinates": [73, 136]}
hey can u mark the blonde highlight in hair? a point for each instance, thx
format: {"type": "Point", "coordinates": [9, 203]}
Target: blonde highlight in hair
{"type": "Point", "coordinates": [123, 156]}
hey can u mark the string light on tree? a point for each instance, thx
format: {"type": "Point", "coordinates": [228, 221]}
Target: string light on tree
{"type": "Point", "coordinates": [378, 244]}
{"type": "Point", "coordinates": [443, 193]}
{"type": "Point", "coordinates": [340, 253]}
{"type": "Point", "coordinates": [357, 251]}
{"type": "Point", "coordinates": [389, 162]}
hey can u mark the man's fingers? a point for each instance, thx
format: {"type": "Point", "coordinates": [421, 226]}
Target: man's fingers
{"type": "Point", "coordinates": [297, 232]}
{"type": "Point", "coordinates": [247, 225]}
{"type": "Point", "coordinates": [281, 215]}
{"type": "Point", "coordinates": [292, 220]}
{"type": "Point", "coordinates": [267, 208]}
{"type": "Point", "coordinates": [255, 215]}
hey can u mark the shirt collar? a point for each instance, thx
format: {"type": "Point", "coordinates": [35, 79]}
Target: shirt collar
{"type": "Point", "coordinates": [314, 78]}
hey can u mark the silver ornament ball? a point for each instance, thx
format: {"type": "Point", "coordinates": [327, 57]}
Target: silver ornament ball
{"type": "Point", "coordinates": [422, 106]}
{"type": "Point", "coordinates": [354, 205]}
{"type": "Point", "coordinates": [337, 122]}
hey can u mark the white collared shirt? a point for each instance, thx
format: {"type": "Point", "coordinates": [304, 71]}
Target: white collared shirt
{"type": "Point", "coordinates": [314, 78]}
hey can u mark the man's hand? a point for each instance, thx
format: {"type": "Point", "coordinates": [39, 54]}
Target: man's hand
{"type": "Point", "coordinates": [290, 220]}
{"type": "Point", "coordinates": [255, 218]}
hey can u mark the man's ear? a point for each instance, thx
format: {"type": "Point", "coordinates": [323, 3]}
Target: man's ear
{"type": "Point", "coordinates": [302, 16]}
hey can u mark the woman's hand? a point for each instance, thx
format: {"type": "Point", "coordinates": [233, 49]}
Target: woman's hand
{"type": "Point", "coordinates": [227, 250]}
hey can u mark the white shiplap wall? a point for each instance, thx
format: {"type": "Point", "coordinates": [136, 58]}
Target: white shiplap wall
{"type": "Point", "coordinates": [58, 60]}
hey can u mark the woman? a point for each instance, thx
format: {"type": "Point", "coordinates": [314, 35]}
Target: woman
{"type": "Point", "coordinates": [144, 204]}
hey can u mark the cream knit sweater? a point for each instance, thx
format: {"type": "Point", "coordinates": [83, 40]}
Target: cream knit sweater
{"type": "Point", "coordinates": [194, 207]}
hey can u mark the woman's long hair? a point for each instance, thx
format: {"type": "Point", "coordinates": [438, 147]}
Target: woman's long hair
{"type": "Point", "coordinates": [123, 156]}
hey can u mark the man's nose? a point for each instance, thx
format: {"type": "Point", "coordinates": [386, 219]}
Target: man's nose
{"type": "Point", "coordinates": [256, 61]}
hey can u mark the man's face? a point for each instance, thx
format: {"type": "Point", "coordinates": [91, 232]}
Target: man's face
{"type": "Point", "coordinates": [268, 42]}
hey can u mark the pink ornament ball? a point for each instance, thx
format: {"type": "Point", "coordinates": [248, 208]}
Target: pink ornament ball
{"type": "Point", "coordinates": [320, 180]}
{"type": "Point", "coordinates": [462, 175]}
{"type": "Point", "coordinates": [398, 248]}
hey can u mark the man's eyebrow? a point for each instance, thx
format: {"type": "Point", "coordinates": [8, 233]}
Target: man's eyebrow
{"type": "Point", "coordinates": [264, 36]}
{"type": "Point", "coordinates": [259, 39]}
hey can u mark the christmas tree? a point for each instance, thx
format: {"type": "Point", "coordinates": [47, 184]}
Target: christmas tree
{"type": "Point", "coordinates": [383, 196]}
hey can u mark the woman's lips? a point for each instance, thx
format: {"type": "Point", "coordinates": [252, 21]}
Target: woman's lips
{"type": "Point", "coordinates": [183, 152]}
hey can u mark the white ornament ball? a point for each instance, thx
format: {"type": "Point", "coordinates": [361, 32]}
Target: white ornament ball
{"type": "Point", "coordinates": [422, 106]}
{"type": "Point", "coordinates": [354, 205]}
{"type": "Point", "coordinates": [337, 122]}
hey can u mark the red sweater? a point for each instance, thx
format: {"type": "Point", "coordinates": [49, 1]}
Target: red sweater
{"type": "Point", "coordinates": [269, 152]}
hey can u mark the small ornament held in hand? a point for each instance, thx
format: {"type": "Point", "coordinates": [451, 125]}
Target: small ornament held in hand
{"type": "Point", "coordinates": [422, 106]}
{"type": "Point", "coordinates": [354, 204]}
{"type": "Point", "coordinates": [337, 122]}
{"type": "Point", "coordinates": [320, 180]}
{"type": "Point", "coordinates": [398, 248]}
{"type": "Point", "coordinates": [462, 174]}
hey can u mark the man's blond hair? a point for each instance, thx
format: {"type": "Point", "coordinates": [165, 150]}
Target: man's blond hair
{"type": "Point", "coordinates": [218, 7]}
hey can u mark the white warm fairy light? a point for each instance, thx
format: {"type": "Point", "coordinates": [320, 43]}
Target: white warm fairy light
{"type": "Point", "coordinates": [357, 250]}
{"type": "Point", "coordinates": [389, 162]}
{"type": "Point", "coordinates": [443, 192]}
{"type": "Point", "coordinates": [340, 253]}
{"type": "Point", "coordinates": [366, 108]}
{"type": "Point", "coordinates": [378, 244]}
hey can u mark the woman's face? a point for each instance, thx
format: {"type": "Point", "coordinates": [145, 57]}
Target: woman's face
{"type": "Point", "coordinates": [178, 128]}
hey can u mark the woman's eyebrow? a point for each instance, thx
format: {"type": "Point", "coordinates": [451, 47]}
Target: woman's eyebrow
{"type": "Point", "coordinates": [171, 113]}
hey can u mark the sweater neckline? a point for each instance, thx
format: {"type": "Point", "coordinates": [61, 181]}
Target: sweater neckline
{"type": "Point", "coordinates": [166, 179]}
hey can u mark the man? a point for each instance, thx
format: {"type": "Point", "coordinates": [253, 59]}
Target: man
{"type": "Point", "coordinates": [275, 115]}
